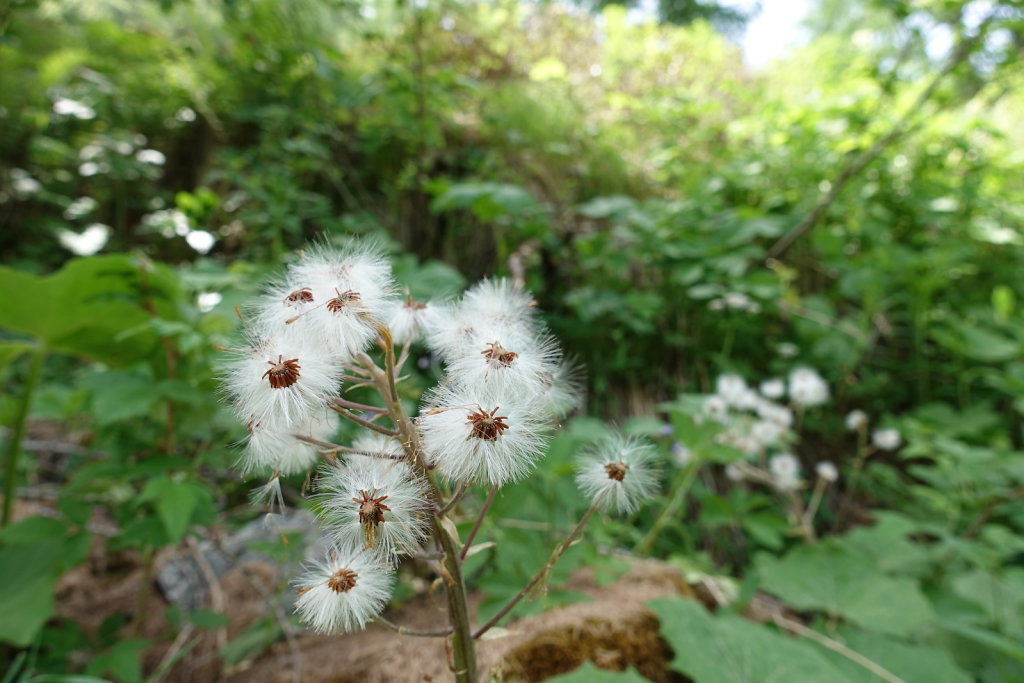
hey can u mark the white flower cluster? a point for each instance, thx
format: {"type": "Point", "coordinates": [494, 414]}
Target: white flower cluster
{"type": "Point", "coordinates": [758, 424]}
{"type": "Point", "coordinates": [882, 439]}
{"type": "Point", "coordinates": [754, 422]}
{"type": "Point", "coordinates": [486, 422]}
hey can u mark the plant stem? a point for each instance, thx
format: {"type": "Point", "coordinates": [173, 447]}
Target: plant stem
{"type": "Point", "coordinates": [812, 509]}
{"type": "Point", "coordinates": [20, 422]}
{"type": "Point", "coordinates": [463, 648]}
{"type": "Point", "coordinates": [349, 415]}
{"type": "Point", "coordinates": [412, 631]}
{"type": "Point", "coordinates": [559, 551]}
{"type": "Point", "coordinates": [479, 521]}
{"type": "Point", "coordinates": [677, 495]}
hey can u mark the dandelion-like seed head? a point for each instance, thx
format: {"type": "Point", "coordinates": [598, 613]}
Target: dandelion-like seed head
{"type": "Point", "coordinates": [374, 503]}
{"type": "Point", "coordinates": [468, 440]}
{"type": "Point", "coordinates": [827, 471]}
{"type": "Point", "coordinates": [343, 591]}
{"type": "Point", "coordinates": [785, 469]}
{"type": "Point", "coordinates": [807, 388]}
{"type": "Point", "coordinates": [856, 420]}
{"type": "Point", "coordinates": [282, 373]}
{"type": "Point", "coordinates": [886, 439]}
{"type": "Point", "coordinates": [618, 473]}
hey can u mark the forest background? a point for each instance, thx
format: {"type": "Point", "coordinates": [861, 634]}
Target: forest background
{"type": "Point", "coordinates": [856, 207]}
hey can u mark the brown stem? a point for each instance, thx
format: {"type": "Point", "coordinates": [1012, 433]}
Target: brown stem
{"type": "Point", "coordinates": [454, 499]}
{"type": "Point", "coordinates": [345, 449]}
{"type": "Point", "coordinates": [364, 407]}
{"type": "Point", "coordinates": [349, 415]}
{"type": "Point", "coordinates": [479, 521]}
{"type": "Point", "coordinates": [411, 631]}
{"type": "Point", "coordinates": [463, 650]}
{"type": "Point", "coordinates": [559, 551]}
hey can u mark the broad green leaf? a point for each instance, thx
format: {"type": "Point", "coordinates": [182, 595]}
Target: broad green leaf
{"type": "Point", "coordinates": [912, 663]}
{"type": "Point", "coordinates": [120, 395]}
{"type": "Point", "coordinates": [175, 502]}
{"type": "Point", "coordinates": [84, 308]}
{"type": "Point", "coordinates": [588, 673]}
{"type": "Point", "coordinates": [828, 578]}
{"type": "Point", "coordinates": [726, 648]}
{"type": "Point", "coordinates": [123, 660]}
{"type": "Point", "coordinates": [205, 618]}
{"type": "Point", "coordinates": [11, 350]}
{"type": "Point", "coordinates": [27, 574]}
{"type": "Point", "coordinates": [1001, 596]}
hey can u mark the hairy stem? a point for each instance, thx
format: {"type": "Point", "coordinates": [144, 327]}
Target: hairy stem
{"type": "Point", "coordinates": [479, 521]}
{"type": "Point", "coordinates": [463, 648]}
{"type": "Point", "coordinates": [542, 573]}
{"type": "Point", "coordinates": [20, 422]}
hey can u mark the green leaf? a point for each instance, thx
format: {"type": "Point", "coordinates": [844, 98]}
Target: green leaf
{"type": "Point", "coordinates": [10, 351]}
{"type": "Point", "coordinates": [912, 663]}
{"type": "Point", "coordinates": [123, 660]}
{"type": "Point", "coordinates": [828, 578]}
{"type": "Point", "coordinates": [205, 618]}
{"type": "Point", "coordinates": [83, 308]}
{"type": "Point", "coordinates": [175, 503]}
{"type": "Point", "coordinates": [727, 648]}
{"type": "Point", "coordinates": [27, 574]}
{"type": "Point", "coordinates": [120, 395]}
{"type": "Point", "coordinates": [588, 673]}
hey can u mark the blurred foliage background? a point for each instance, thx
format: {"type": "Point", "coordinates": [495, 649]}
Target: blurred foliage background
{"type": "Point", "coordinates": [856, 207]}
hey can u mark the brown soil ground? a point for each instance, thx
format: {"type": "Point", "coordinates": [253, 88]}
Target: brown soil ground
{"type": "Point", "coordinates": [613, 629]}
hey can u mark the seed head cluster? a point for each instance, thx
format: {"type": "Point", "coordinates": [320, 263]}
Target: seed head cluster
{"type": "Point", "coordinates": [487, 421]}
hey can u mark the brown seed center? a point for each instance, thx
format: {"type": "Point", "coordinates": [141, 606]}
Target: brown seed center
{"type": "Point", "coordinates": [616, 470]}
{"type": "Point", "coordinates": [283, 373]}
{"type": "Point", "coordinates": [487, 426]}
{"type": "Point", "coordinates": [371, 507]}
{"type": "Point", "coordinates": [342, 580]}
{"type": "Point", "coordinates": [499, 354]}
{"type": "Point", "coordinates": [343, 299]}
{"type": "Point", "coordinates": [303, 296]}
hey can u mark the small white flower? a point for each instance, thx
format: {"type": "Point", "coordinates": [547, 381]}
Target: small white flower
{"type": "Point", "coordinates": [785, 468]}
{"type": "Point", "coordinates": [150, 156]}
{"type": "Point", "coordinates": [773, 388]}
{"type": "Point", "coordinates": [86, 243]}
{"type": "Point", "coordinates": [807, 388]}
{"type": "Point", "coordinates": [206, 301]}
{"type": "Point", "coordinates": [473, 435]}
{"type": "Point", "coordinates": [773, 412]}
{"type": "Point", "coordinates": [766, 432]}
{"type": "Point", "coordinates": [23, 183]}
{"type": "Point", "coordinates": [80, 207]}
{"type": "Point", "coordinates": [856, 420]}
{"type": "Point", "coordinates": [618, 474]}
{"type": "Point", "coordinates": [374, 502]}
{"type": "Point", "coordinates": [886, 439]}
{"type": "Point", "coordinates": [89, 168]}
{"type": "Point", "coordinates": [344, 591]}
{"type": "Point", "coordinates": [64, 106]}
{"type": "Point", "coordinates": [716, 408]}
{"type": "Point", "coordinates": [201, 240]}
{"type": "Point", "coordinates": [827, 471]}
{"type": "Point", "coordinates": [730, 388]}
{"type": "Point", "coordinates": [733, 473]}
{"type": "Point", "coordinates": [279, 383]}
{"type": "Point", "coordinates": [277, 450]}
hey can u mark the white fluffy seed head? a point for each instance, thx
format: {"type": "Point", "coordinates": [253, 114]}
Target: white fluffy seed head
{"type": "Point", "coordinates": [856, 420]}
{"type": "Point", "coordinates": [807, 388]}
{"type": "Point", "coordinates": [731, 389]}
{"type": "Point", "coordinates": [785, 469]}
{"type": "Point", "coordinates": [374, 503]}
{"type": "Point", "coordinates": [886, 439]}
{"type": "Point", "coordinates": [827, 471]}
{"type": "Point", "coordinates": [618, 473]}
{"type": "Point", "coordinates": [343, 591]}
{"type": "Point", "coordinates": [773, 388]}
{"type": "Point", "coordinates": [336, 297]}
{"type": "Point", "coordinates": [716, 408]}
{"type": "Point", "coordinates": [273, 450]}
{"type": "Point", "coordinates": [512, 366]}
{"type": "Point", "coordinates": [471, 435]}
{"type": "Point", "coordinates": [408, 319]}
{"type": "Point", "coordinates": [279, 383]}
